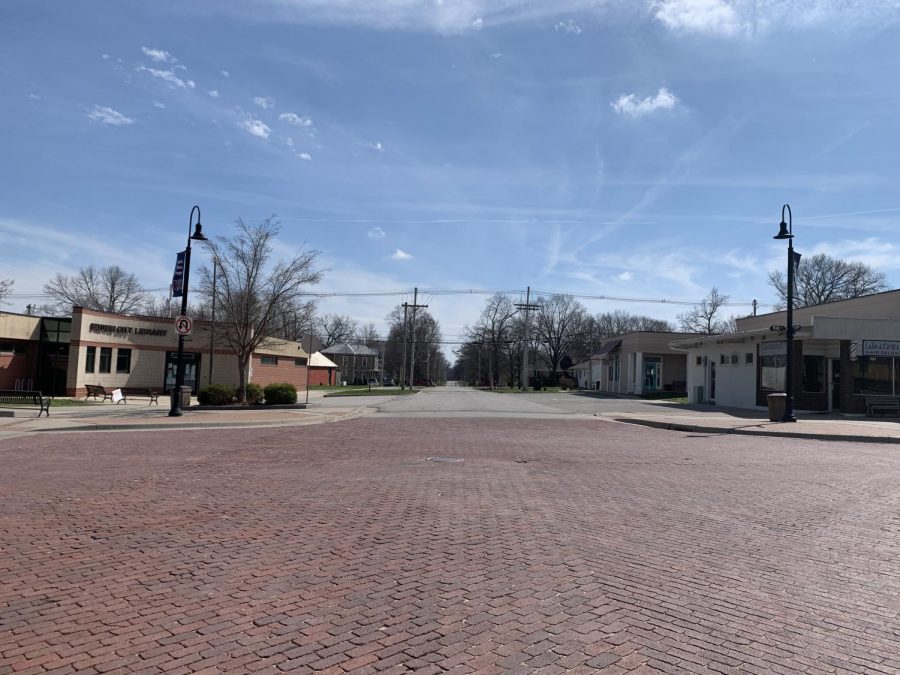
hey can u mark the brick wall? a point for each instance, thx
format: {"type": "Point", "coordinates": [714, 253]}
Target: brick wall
{"type": "Point", "coordinates": [18, 366]}
{"type": "Point", "coordinates": [285, 371]}
{"type": "Point", "coordinates": [322, 376]}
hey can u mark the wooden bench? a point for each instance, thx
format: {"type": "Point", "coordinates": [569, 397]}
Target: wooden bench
{"type": "Point", "coordinates": [95, 390]}
{"type": "Point", "coordinates": [882, 403]}
{"type": "Point", "coordinates": [34, 398]}
{"type": "Point", "coordinates": [140, 392]}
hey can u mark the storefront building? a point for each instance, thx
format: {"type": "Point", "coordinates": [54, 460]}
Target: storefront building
{"type": "Point", "coordinates": [841, 352]}
{"type": "Point", "coordinates": [639, 363]}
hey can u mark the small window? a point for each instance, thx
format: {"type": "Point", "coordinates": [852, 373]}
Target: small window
{"type": "Point", "coordinates": [268, 360]}
{"type": "Point", "coordinates": [734, 359]}
{"type": "Point", "coordinates": [90, 359]}
{"type": "Point", "coordinates": [699, 360]}
{"type": "Point", "coordinates": [748, 358]}
{"type": "Point", "coordinates": [300, 361]}
{"type": "Point", "coordinates": [123, 361]}
{"type": "Point", "coordinates": [723, 359]}
{"type": "Point", "coordinates": [105, 359]}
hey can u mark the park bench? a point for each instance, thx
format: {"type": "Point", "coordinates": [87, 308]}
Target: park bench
{"type": "Point", "coordinates": [34, 398]}
{"type": "Point", "coordinates": [95, 390]}
{"type": "Point", "coordinates": [882, 404]}
{"type": "Point", "coordinates": [134, 392]}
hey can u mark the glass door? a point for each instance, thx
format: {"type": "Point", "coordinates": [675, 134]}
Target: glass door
{"type": "Point", "coordinates": [652, 374]}
{"type": "Point", "coordinates": [191, 370]}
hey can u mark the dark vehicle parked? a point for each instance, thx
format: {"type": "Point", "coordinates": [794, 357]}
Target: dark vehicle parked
{"type": "Point", "coordinates": [388, 382]}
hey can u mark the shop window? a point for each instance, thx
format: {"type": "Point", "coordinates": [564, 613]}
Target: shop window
{"type": "Point", "coordinates": [872, 375]}
{"type": "Point", "coordinates": [90, 359]}
{"type": "Point", "coordinates": [771, 371]}
{"type": "Point", "coordinates": [748, 358]}
{"type": "Point", "coordinates": [268, 360]}
{"type": "Point", "coordinates": [300, 361]}
{"type": "Point", "coordinates": [699, 360]}
{"type": "Point", "coordinates": [105, 359]}
{"type": "Point", "coordinates": [723, 359]}
{"type": "Point", "coordinates": [123, 361]}
{"type": "Point", "coordinates": [734, 359]}
{"type": "Point", "coordinates": [613, 369]}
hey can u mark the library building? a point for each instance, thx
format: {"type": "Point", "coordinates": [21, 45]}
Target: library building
{"type": "Point", "coordinates": [61, 356]}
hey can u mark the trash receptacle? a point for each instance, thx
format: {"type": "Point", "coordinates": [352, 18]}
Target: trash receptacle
{"type": "Point", "coordinates": [185, 396]}
{"type": "Point", "coordinates": [777, 404]}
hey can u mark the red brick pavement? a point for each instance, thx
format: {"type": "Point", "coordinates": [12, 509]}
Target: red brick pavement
{"type": "Point", "coordinates": [552, 547]}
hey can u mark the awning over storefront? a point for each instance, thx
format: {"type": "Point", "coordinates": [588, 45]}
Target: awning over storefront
{"type": "Point", "coordinates": [608, 347]}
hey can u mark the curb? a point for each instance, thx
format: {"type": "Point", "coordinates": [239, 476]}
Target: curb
{"type": "Point", "coordinates": [694, 428]}
{"type": "Point", "coordinates": [203, 426]}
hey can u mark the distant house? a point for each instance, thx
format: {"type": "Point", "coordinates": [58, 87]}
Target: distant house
{"type": "Point", "coordinates": [322, 370]}
{"type": "Point", "coordinates": [358, 363]}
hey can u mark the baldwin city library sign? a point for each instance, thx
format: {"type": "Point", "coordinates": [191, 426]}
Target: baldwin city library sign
{"type": "Point", "coordinates": [122, 331]}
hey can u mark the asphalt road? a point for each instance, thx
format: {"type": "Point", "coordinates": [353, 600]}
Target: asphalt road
{"type": "Point", "coordinates": [455, 545]}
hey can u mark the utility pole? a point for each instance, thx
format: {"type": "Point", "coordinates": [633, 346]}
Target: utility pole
{"type": "Point", "coordinates": [523, 378]}
{"type": "Point", "coordinates": [591, 354]}
{"type": "Point", "coordinates": [403, 358]}
{"type": "Point", "coordinates": [412, 358]}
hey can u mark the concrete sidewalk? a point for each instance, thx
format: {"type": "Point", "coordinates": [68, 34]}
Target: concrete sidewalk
{"type": "Point", "coordinates": [751, 423]}
{"type": "Point", "coordinates": [111, 417]}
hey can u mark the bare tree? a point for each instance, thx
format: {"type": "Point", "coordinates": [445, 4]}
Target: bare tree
{"type": "Point", "coordinates": [252, 293]}
{"type": "Point", "coordinates": [368, 335]}
{"type": "Point", "coordinates": [619, 323]}
{"type": "Point", "coordinates": [106, 289]}
{"type": "Point", "coordinates": [557, 324]}
{"type": "Point", "coordinates": [704, 317]}
{"type": "Point", "coordinates": [333, 329]}
{"type": "Point", "coordinates": [298, 321]}
{"type": "Point", "coordinates": [6, 286]}
{"type": "Point", "coordinates": [821, 278]}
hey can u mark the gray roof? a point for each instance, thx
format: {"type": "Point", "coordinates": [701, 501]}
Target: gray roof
{"type": "Point", "coordinates": [350, 350]}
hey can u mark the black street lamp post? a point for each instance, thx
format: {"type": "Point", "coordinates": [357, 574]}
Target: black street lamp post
{"type": "Point", "coordinates": [175, 410]}
{"type": "Point", "coordinates": [785, 231]}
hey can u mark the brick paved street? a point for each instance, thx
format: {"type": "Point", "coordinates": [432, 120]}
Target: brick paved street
{"type": "Point", "coordinates": [552, 546]}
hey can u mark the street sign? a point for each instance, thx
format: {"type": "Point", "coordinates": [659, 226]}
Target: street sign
{"type": "Point", "coordinates": [183, 325]}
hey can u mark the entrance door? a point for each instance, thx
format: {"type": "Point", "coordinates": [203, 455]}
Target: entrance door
{"type": "Point", "coordinates": [191, 370]}
{"type": "Point", "coordinates": [652, 373]}
{"type": "Point", "coordinates": [834, 384]}
{"type": "Point", "coordinates": [712, 380]}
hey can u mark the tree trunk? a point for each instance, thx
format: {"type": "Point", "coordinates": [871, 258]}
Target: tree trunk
{"type": "Point", "coordinates": [243, 361]}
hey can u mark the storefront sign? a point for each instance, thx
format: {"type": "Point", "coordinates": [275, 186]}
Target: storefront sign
{"type": "Point", "coordinates": [178, 276]}
{"type": "Point", "coordinates": [880, 348]}
{"type": "Point", "coordinates": [122, 331]}
{"type": "Point", "coordinates": [772, 348]}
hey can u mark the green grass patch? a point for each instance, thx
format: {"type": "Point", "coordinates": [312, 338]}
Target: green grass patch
{"type": "Point", "coordinates": [55, 403]}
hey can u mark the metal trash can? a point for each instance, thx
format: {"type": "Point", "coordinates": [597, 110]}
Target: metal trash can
{"type": "Point", "coordinates": [777, 404]}
{"type": "Point", "coordinates": [185, 396]}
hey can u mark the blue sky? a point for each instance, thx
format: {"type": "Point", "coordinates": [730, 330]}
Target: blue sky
{"type": "Point", "coordinates": [626, 148]}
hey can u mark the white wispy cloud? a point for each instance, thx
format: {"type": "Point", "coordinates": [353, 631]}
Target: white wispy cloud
{"type": "Point", "coordinates": [158, 104]}
{"type": "Point", "coordinates": [169, 77]}
{"type": "Point", "coordinates": [159, 55]}
{"type": "Point", "coordinates": [497, 55]}
{"type": "Point", "coordinates": [376, 233]}
{"type": "Point", "coordinates": [104, 56]}
{"type": "Point", "coordinates": [225, 73]}
{"type": "Point", "coordinates": [631, 105]}
{"type": "Point", "coordinates": [109, 116]}
{"type": "Point", "coordinates": [34, 97]}
{"type": "Point", "coordinates": [255, 127]}
{"type": "Point", "coordinates": [304, 155]}
{"type": "Point", "coordinates": [699, 16]}
{"type": "Point", "coordinates": [569, 26]}
{"type": "Point", "coordinates": [214, 93]}
{"type": "Point", "coordinates": [400, 254]}
{"type": "Point", "coordinates": [625, 276]}
{"type": "Point", "coordinates": [295, 119]}
{"type": "Point", "coordinates": [264, 102]}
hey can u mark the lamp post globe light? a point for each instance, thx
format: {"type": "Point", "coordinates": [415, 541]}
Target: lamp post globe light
{"type": "Point", "coordinates": [175, 410]}
{"type": "Point", "coordinates": [785, 231]}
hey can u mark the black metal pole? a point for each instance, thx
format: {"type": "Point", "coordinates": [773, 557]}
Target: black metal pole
{"type": "Point", "coordinates": [212, 325]}
{"type": "Point", "coordinates": [789, 361]}
{"type": "Point", "coordinates": [175, 410]}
